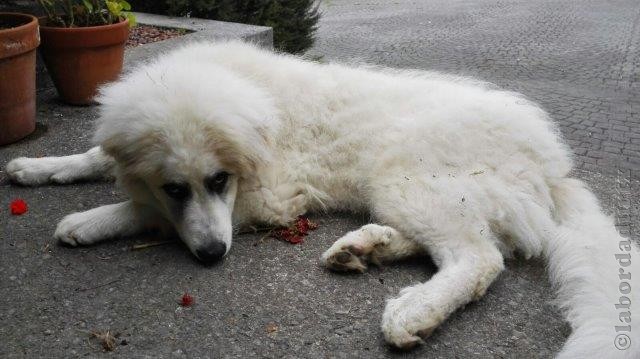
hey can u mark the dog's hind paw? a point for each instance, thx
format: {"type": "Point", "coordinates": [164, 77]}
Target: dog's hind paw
{"type": "Point", "coordinates": [353, 251]}
{"type": "Point", "coordinates": [408, 319]}
{"type": "Point", "coordinates": [346, 259]}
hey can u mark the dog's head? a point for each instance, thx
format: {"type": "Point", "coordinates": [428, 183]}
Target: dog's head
{"type": "Point", "coordinates": [183, 136]}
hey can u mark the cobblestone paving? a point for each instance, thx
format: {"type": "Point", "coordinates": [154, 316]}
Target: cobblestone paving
{"type": "Point", "coordinates": [579, 59]}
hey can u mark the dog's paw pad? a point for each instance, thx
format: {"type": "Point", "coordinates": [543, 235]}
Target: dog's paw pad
{"type": "Point", "coordinates": [346, 259]}
{"type": "Point", "coordinates": [354, 250]}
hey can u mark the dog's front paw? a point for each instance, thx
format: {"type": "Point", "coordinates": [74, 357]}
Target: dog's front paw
{"type": "Point", "coordinates": [77, 229]}
{"type": "Point", "coordinates": [353, 251]}
{"type": "Point", "coordinates": [36, 171]}
{"type": "Point", "coordinates": [409, 319]}
{"type": "Point", "coordinates": [283, 205]}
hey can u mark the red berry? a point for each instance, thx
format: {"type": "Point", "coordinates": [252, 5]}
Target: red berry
{"type": "Point", "coordinates": [302, 225]}
{"type": "Point", "coordinates": [18, 207]}
{"type": "Point", "coordinates": [295, 239]}
{"type": "Point", "coordinates": [307, 223]}
{"type": "Point", "coordinates": [186, 300]}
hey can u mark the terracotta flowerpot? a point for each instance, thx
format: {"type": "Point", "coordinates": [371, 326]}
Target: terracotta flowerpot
{"type": "Point", "coordinates": [80, 59]}
{"type": "Point", "coordinates": [18, 41]}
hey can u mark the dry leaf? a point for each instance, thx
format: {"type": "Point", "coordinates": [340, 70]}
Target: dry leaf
{"type": "Point", "coordinates": [272, 328]}
{"type": "Point", "coordinates": [107, 340]}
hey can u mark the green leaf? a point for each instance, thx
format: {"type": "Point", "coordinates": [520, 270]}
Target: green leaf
{"type": "Point", "coordinates": [125, 5]}
{"type": "Point", "coordinates": [132, 19]}
{"type": "Point", "coordinates": [114, 8]}
{"type": "Point", "coordinates": [88, 5]}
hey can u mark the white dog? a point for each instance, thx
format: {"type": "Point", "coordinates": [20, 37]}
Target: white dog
{"type": "Point", "coordinates": [214, 136]}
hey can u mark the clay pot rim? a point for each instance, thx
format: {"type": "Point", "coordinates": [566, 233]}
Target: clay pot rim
{"type": "Point", "coordinates": [43, 21]}
{"type": "Point", "coordinates": [22, 27]}
{"type": "Point", "coordinates": [20, 39]}
{"type": "Point", "coordinates": [84, 37]}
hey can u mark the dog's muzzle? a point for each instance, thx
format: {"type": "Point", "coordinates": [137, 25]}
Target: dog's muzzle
{"type": "Point", "coordinates": [211, 253]}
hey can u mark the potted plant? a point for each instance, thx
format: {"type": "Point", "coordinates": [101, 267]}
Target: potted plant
{"type": "Point", "coordinates": [18, 41]}
{"type": "Point", "coordinates": [83, 44]}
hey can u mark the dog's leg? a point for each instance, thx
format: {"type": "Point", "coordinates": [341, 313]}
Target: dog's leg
{"type": "Point", "coordinates": [447, 218]}
{"type": "Point", "coordinates": [92, 164]}
{"type": "Point", "coordinates": [95, 225]}
{"type": "Point", "coordinates": [371, 243]}
{"type": "Point", "coordinates": [466, 269]}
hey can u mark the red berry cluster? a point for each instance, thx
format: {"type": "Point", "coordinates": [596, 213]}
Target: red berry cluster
{"type": "Point", "coordinates": [296, 232]}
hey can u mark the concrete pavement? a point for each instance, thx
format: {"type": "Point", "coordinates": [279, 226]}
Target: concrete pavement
{"type": "Point", "coordinates": [53, 296]}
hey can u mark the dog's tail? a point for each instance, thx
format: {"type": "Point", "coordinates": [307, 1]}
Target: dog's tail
{"type": "Point", "coordinates": [597, 275]}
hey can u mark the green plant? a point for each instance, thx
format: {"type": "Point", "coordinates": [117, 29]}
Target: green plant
{"type": "Point", "coordinates": [294, 22]}
{"type": "Point", "coordinates": [82, 13]}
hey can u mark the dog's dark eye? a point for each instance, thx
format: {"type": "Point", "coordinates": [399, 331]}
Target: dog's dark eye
{"type": "Point", "coordinates": [177, 191]}
{"type": "Point", "coordinates": [217, 182]}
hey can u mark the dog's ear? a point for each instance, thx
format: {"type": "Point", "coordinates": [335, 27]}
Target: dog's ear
{"type": "Point", "coordinates": [132, 152]}
{"type": "Point", "coordinates": [241, 150]}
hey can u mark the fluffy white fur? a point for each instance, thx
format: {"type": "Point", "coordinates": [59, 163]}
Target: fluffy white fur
{"type": "Point", "coordinates": [448, 166]}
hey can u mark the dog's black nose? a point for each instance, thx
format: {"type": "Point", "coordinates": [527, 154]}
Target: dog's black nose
{"type": "Point", "coordinates": [211, 253]}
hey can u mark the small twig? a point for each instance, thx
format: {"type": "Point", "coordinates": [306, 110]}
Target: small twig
{"type": "Point", "coordinates": [98, 286]}
{"type": "Point", "coordinates": [106, 339]}
{"type": "Point", "coordinates": [261, 240]}
{"type": "Point", "coordinates": [255, 230]}
{"type": "Point", "coordinates": [136, 247]}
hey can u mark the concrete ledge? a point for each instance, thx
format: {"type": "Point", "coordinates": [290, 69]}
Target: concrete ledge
{"type": "Point", "coordinates": [210, 30]}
